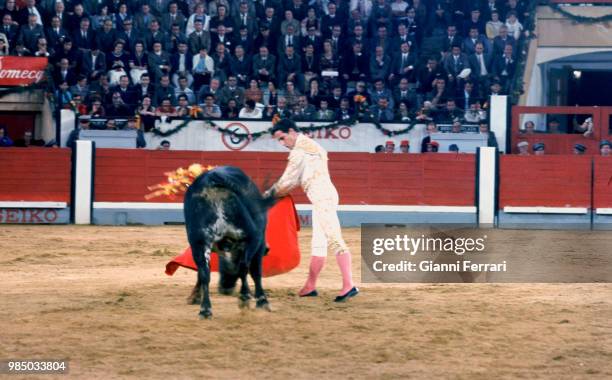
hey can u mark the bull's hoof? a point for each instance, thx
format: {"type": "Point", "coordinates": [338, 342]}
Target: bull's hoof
{"type": "Point", "coordinates": [244, 301]}
{"type": "Point", "coordinates": [205, 314]}
{"type": "Point", "coordinates": [226, 291]}
{"type": "Point", "coordinates": [263, 304]}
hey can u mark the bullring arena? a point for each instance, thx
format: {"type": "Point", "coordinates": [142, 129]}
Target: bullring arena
{"type": "Point", "coordinates": [98, 296]}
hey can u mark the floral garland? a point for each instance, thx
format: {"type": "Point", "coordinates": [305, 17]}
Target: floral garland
{"type": "Point", "coordinates": [256, 135]}
{"type": "Point", "coordinates": [577, 18]}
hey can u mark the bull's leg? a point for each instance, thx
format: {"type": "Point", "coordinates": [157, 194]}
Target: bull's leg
{"type": "Point", "coordinates": [256, 272]}
{"type": "Point", "coordinates": [245, 293]}
{"type": "Point", "coordinates": [196, 293]}
{"type": "Point", "coordinates": [201, 256]}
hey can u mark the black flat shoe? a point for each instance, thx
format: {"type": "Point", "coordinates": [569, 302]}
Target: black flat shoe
{"type": "Point", "coordinates": [314, 293]}
{"type": "Point", "coordinates": [351, 293]}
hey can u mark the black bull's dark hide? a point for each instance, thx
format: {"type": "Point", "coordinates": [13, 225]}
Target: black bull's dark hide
{"type": "Point", "coordinates": [226, 213]}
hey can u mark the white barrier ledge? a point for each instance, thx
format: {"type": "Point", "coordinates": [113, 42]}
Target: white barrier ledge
{"type": "Point", "coordinates": [603, 211]}
{"type": "Point", "coordinates": [20, 204]}
{"type": "Point", "coordinates": [299, 207]}
{"type": "Point", "coordinates": [545, 210]}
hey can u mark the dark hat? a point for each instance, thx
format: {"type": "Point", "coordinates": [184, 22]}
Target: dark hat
{"type": "Point", "coordinates": [605, 142]}
{"type": "Point", "coordinates": [453, 148]}
{"type": "Point", "coordinates": [538, 146]}
{"type": "Point", "coordinates": [580, 147]}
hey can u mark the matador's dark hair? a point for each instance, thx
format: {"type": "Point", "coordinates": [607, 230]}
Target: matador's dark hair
{"type": "Point", "coordinates": [284, 125]}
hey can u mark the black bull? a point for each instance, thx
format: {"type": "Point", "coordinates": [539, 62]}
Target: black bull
{"type": "Point", "coordinates": [226, 213]}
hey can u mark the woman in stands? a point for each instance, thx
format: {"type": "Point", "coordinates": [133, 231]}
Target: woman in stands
{"type": "Point", "coordinates": [147, 114]}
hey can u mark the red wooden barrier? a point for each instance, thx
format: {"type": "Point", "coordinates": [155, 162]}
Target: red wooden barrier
{"type": "Point", "coordinates": [361, 178]}
{"type": "Point", "coordinates": [602, 192]}
{"type": "Point", "coordinates": [35, 174]}
{"type": "Point", "coordinates": [548, 181]}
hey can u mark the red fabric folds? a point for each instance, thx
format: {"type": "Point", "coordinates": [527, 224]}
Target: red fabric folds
{"type": "Point", "coordinates": [281, 237]}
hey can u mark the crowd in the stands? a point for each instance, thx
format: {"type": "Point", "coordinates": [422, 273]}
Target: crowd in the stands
{"type": "Point", "coordinates": [396, 61]}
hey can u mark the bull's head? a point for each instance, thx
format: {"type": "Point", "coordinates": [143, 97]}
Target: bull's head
{"type": "Point", "coordinates": [230, 252]}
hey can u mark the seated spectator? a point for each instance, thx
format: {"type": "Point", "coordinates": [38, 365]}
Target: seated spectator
{"type": "Point", "coordinates": [493, 25]}
{"type": "Point", "coordinates": [5, 140]}
{"type": "Point", "coordinates": [183, 89]}
{"type": "Point", "coordinates": [203, 68]}
{"type": "Point", "coordinates": [523, 148]}
{"type": "Point", "coordinates": [210, 109]}
{"type": "Point", "coordinates": [253, 92]}
{"type": "Point", "coordinates": [380, 91]}
{"type": "Point", "coordinates": [291, 94]}
{"type": "Point", "coordinates": [402, 114]}
{"type": "Point", "coordinates": [456, 127]}
{"type": "Point", "coordinates": [586, 128]}
{"type": "Point", "coordinates": [529, 128]}
{"type": "Point", "coordinates": [324, 113]}
{"type": "Point", "coordinates": [231, 91]}
{"type": "Point", "coordinates": [97, 109]}
{"type": "Point", "coordinates": [515, 28]}
{"type": "Point", "coordinates": [380, 65]}
{"type": "Point", "coordinates": [166, 109]}
{"type": "Point", "coordinates": [381, 112]}
{"type": "Point", "coordinates": [133, 126]}
{"type": "Point", "coordinates": [389, 147]}
{"type": "Point", "coordinates": [75, 133]}
{"type": "Point", "coordinates": [183, 109]}
{"type": "Point", "coordinates": [449, 113]}
{"type": "Point", "coordinates": [432, 147]}
{"type": "Point", "coordinates": [147, 113]}
{"type": "Point", "coordinates": [138, 63]}
{"type": "Point", "coordinates": [579, 149]}
{"type": "Point", "coordinates": [250, 111]}
{"type": "Point", "coordinates": [605, 148]}
{"type": "Point", "coordinates": [344, 112]}
{"type": "Point", "coordinates": [475, 114]}
{"type": "Point", "coordinates": [110, 125]}
{"type": "Point", "coordinates": [539, 149]}
{"type": "Point", "coordinates": [164, 145]}
{"type": "Point", "coordinates": [304, 110]}
{"type": "Point", "coordinates": [313, 92]}
{"type": "Point", "coordinates": [117, 108]}
{"type": "Point", "coordinates": [231, 110]}
{"type": "Point", "coordinates": [404, 146]}
{"type": "Point", "coordinates": [63, 96]}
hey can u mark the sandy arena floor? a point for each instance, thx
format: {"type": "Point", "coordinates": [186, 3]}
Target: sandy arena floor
{"type": "Point", "coordinates": [99, 296]}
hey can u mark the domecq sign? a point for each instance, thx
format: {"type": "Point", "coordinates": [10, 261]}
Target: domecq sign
{"type": "Point", "coordinates": [20, 71]}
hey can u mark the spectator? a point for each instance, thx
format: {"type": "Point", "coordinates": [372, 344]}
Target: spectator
{"type": "Point", "coordinates": [484, 129]}
{"type": "Point", "coordinates": [404, 146]}
{"type": "Point", "coordinates": [166, 109]}
{"type": "Point", "coordinates": [493, 25]}
{"type": "Point", "coordinates": [579, 149]}
{"type": "Point", "coordinates": [75, 134]}
{"type": "Point", "coordinates": [380, 111]}
{"type": "Point", "coordinates": [389, 147]}
{"type": "Point", "coordinates": [456, 127]}
{"type": "Point", "coordinates": [5, 140]}
{"type": "Point", "coordinates": [249, 111]}
{"type": "Point", "coordinates": [231, 110]}
{"type": "Point", "coordinates": [529, 128]}
{"type": "Point", "coordinates": [344, 112]}
{"type": "Point", "coordinates": [183, 89]}
{"type": "Point", "coordinates": [605, 148]}
{"type": "Point", "coordinates": [523, 148]}
{"type": "Point", "coordinates": [430, 129]}
{"type": "Point", "coordinates": [305, 110]}
{"type": "Point", "coordinates": [379, 149]}
{"type": "Point", "coordinates": [402, 115]}
{"type": "Point", "coordinates": [183, 109]}
{"type": "Point", "coordinates": [210, 109]}
{"type": "Point", "coordinates": [380, 91]}
{"type": "Point", "coordinates": [117, 107]}
{"type": "Point", "coordinates": [432, 147]}
{"type": "Point", "coordinates": [203, 68]}
{"type": "Point", "coordinates": [515, 28]}
{"type": "Point", "coordinates": [164, 145]}
{"type": "Point", "coordinates": [539, 149]}
{"type": "Point", "coordinates": [231, 91]}
{"type": "Point", "coordinates": [324, 113]}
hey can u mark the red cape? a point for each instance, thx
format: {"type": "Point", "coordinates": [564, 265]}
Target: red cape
{"type": "Point", "coordinates": [281, 237]}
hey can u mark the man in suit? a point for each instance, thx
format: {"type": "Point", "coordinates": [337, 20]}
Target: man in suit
{"type": "Point", "coordinates": [451, 39]}
{"type": "Point", "coordinates": [106, 36]}
{"type": "Point", "coordinates": [481, 66]}
{"type": "Point", "coordinates": [380, 65]}
{"type": "Point", "coordinates": [174, 16]}
{"type": "Point", "coordinates": [93, 62]}
{"type": "Point", "coordinates": [144, 88]}
{"type": "Point", "coordinates": [59, 10]}
{"type": "Point", "coordinates": [240, 66]}
{"type": "Point", "coordinates": [500, 42]}
{"type": "Point", "coordinates": [381, 110]}
{"type": "Point", "coordinates": [231, 90]}
{"type": "Point", "coordinates": [30, 9]}
{"type": "Point", "coordinates": [504, 67]}
{"type": "Point", "coordinates": [143, 18]}
{"type": "Point", "coordinates": [292, 38]}
{"type": "Point", "coordinates": [380, 91]}
{"type": "Point", "coordinates": [312, 39]}
{"type": "Point", "coordinates": [127, 93]}
{"type": "Point", "coordinates": [355, 66]}
{"type": "Point", "coordinates": [129, 35]}
{"type": "Point", "coordinates": [402, 36]}
{"type": "Point", "coordinates": [402, 93]}
{"type": "Point", "coordinates": [155, 34]}
{"type": "Point", "coordinates": [181, 63]}
{"type": "Point", "coordinates": [64, 73]}
{"type": "Point", "coordinates": [84, 37]}
{"type": "Point", "coordinates": [221, 37]}
{"type": "Point", "coordinates": [290, 68]}
{"type": "Point", "coordinates": [29, 33]}
{"type": "Point", "coordinates": [244, 39]}
{"type": "Point", "coordinates": [469, 43]}
{"type": "Point", "coordinates": [263, 65]}
{"type": "Point", "coordinates": [159, 62]}
{"type": "Point", "coordinates": [159, 7]}
{"type": "Point", "coordinates": [164, 91]}
{"type": "Point", "coordinates": [243, 18]}
{"type": "Point", "coordinates": [304, 110]}
{"type": "Point", "coordinates": [330, 20]}
{"type": "Point", "coordinates": [199, 38]}
{"type": "Point", "coordinates": [403, 65]}
{"type": "Point", "coordinates": [454, 64]}
{"type": "Point", "coordinates": [10, 30]}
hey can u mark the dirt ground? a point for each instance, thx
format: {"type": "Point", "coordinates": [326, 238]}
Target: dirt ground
{"type": "Point", "coordinates": [99, 296]}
